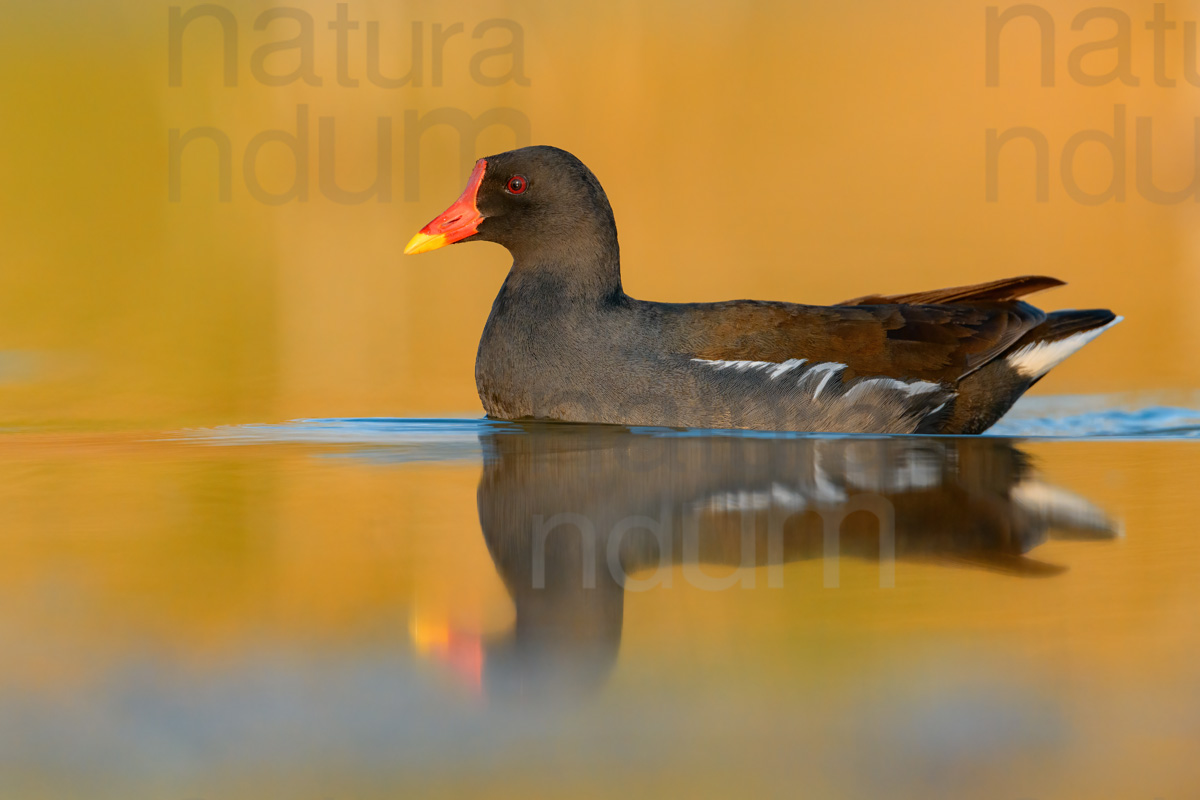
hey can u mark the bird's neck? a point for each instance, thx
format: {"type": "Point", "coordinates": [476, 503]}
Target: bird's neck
{"type": "Point", "coordinates": [580, 268]}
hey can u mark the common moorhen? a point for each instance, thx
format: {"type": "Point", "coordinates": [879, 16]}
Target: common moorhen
{"type": "Point", "coordinates": [564, 341]}
{"type": "Point", "coordinates": [555, 505]}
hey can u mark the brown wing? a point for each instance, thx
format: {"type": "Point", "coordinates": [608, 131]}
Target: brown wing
{"type": "Point", "coordinates": [995, 291]}
{"type": "Point", "coordinates": [950, 335]}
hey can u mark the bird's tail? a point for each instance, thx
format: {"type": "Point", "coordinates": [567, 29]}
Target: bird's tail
{"type": "Point", "coordinates": [1060, 335]}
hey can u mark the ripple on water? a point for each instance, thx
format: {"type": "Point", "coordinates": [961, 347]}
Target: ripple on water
{"type": "Point", "coordinates": [1063, 417]}
{"type": "Point", "coordinates": [1097, 417]}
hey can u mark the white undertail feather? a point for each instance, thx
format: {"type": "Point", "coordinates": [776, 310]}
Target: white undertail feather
{"type": "Point", "coordinates": [1064, 510]}
{"type": "Point", "coordinates": [1035, 360]}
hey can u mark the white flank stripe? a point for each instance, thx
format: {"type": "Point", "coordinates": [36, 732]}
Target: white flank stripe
{"type": "Point", "coordinates": [784, 497]}
{"type": "Point", "coordinates": [779, 496]}
{"type": "Point", "coordinates": [737, 366]}
{"type": "Point", "coordinates": [830, 368]}
{"type": "Point", "coordinates": [910, 388]}
{"type": "Point", "coordinates": [826, 369]}
{"type": "Point", "coordinates": [786, 366]}
{"type": "Point", "coordinates": [828, 492]}
{"type": "Point", "coordinates": [775, 369]}
{"type": "Point", "coordinates": [1035, 360]}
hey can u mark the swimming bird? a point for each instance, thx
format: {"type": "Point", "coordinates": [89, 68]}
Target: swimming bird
{"type": "Point", "coordinates": [555, 503]}
{"type": "Point", "coordinates": [564, 341]}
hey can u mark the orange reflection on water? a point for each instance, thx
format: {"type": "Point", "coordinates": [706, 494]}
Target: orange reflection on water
{"type": "Point", "coordinates": [337, 594]}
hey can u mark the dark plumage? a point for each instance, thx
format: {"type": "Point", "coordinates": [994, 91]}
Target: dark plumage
{"type": "Point", "coordinates": [555, 504]}
{"type": "Point", "coordinates": [564, 341]}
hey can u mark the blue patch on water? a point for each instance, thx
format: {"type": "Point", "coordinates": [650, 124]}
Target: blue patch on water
{"type": "Point", "coordinates": [1079, 417]}
{"type": "Point", "coordinates": [398, 439]}
{"type": "Point", "coordinates": [1097, 417]}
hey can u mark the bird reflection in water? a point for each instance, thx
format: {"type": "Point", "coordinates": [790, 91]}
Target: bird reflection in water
{"type": "Point", "coordinates": [575, 516]}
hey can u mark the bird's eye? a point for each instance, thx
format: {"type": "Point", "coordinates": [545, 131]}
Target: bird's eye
{"type": "Point", "coordinates": [517, 184]}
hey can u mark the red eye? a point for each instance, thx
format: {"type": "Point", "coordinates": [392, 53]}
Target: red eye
{"type": "Point", "coordinates": [517, 184]}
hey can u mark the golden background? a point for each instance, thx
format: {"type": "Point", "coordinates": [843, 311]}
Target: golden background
{"type": "Point", "coordinates": [777, 151]}
{"type": "Point", "coordinates": [800, 151]}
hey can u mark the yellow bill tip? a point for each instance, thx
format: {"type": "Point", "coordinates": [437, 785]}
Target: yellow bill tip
{"type": "Point", "coordinates": [423, 243]}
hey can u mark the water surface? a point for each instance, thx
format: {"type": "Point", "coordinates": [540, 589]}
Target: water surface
{"type": "Point", "coordinates": [373, 607]}
{"type": "Point", "coordinates": [195, 608]}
